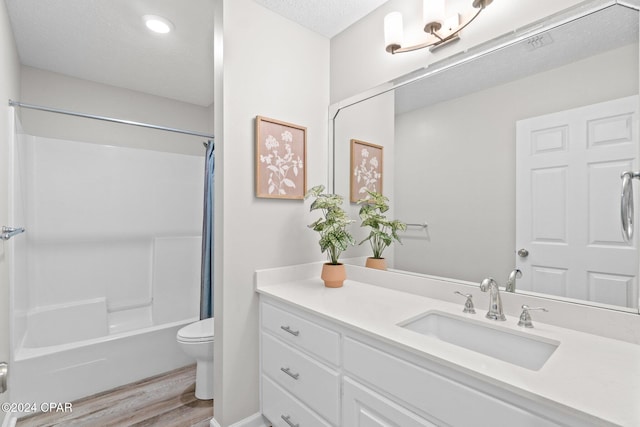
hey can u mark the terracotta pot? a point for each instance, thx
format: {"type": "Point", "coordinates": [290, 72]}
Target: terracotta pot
{"type": "Point", "coordinates": [333, 275]}
{"type": "Point", "coordinates": [377, 263]}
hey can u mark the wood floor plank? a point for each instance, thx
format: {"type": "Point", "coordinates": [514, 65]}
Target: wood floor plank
{"type": "Point", "coordinates": [166, 400]}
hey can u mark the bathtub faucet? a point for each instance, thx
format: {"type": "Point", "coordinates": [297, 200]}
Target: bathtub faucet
{"type": "Point", "coordinates": [511, 282]}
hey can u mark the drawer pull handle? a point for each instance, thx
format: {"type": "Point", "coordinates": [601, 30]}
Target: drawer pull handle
{"type": "Point", "coordinates": [291, 374]}
{"type": "Point", "coordinates": [288, 329]}
{"type": "Point", "coordinates": [287, 419]}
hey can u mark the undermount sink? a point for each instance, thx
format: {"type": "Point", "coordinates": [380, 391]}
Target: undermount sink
{"type": "Point", "coordinates": [507, 345]}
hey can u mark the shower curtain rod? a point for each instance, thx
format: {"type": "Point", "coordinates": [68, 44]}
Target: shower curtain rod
{"type": "Point", "coordinates": [107, 119]}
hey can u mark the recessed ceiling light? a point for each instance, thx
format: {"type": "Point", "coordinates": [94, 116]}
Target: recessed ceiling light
{"type": "Point", "coordinates": [157, 24]}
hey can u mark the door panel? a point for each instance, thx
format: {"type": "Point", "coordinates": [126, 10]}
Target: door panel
{"type": "Point", "coordinates": [568, 202]}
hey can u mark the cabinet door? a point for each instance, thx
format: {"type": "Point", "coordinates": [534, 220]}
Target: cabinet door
{"type": "Point", "coordinates": [308, 380]}
{"type": "Point", "coordinates": [433, 394]}
{"type": "Point", "coordinates": [303, 333]}
{"type": "Point", "coordinates": [365, 408]}
{"type": "Point", "coordinates": [283, 410]}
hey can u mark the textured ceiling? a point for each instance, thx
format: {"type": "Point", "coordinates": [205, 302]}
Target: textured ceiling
{"type": "Point", "coordinates": [105, 40]}
{"type": "Point", "coordinates": [562, 45]}
{"type": "Point", "coordinates": [325, 17]}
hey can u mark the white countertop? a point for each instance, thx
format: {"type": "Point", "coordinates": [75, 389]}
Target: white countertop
{"type": "Point", "coordinates": [589, 373]}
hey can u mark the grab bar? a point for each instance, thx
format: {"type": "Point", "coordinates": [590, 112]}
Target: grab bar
{"type": "Point", "coordinates": [626, 204]}
{"type": "Point", "coordinates": [9, 232]}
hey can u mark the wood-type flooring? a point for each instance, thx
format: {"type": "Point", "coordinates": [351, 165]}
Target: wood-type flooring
{"type": "Point", "coordinates": [166, 400]}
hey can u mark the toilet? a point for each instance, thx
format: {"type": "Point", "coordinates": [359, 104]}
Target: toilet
{"type": "Point", "coordinates": [196, 340]}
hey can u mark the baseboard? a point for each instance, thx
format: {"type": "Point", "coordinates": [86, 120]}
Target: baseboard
{"type": "Point", "coordinates": [255, 420]}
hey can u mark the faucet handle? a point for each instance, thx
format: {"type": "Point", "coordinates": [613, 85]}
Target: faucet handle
{"type": "Point", "coordinates": [525, 317]}
{"type": "Point", "coordinates": [468, 305]}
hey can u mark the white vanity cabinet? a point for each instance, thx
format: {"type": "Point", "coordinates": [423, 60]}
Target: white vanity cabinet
{"type": "Point", "coordinates": [440, 398]}
{"type": "Point", "coordinates": [316, 372]}
{"type": "Point", "coordinates": [300, 377]}
{"type": "Point", "coordinates": [363, 407]}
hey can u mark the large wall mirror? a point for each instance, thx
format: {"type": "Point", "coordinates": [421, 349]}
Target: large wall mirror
{"type": "Point", "coordinates": [511, 153]}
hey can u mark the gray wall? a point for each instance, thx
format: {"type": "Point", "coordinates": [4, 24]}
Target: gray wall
{"type": "Point", "coordinates": [373, 122]}
{"type": "Point", "coordinates": [59, 91]}
{"type": "Point", "coordinates": [455, 163]}
{"type": "Point", "coordinates": [265, 65]}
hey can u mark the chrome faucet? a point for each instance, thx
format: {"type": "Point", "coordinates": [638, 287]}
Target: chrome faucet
{"type": "Point", "coordinates": [511, 282]}
{"type": "Point", "coordinates": [495, 302]}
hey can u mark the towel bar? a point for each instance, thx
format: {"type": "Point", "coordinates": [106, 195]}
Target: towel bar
{"type": "Point", "coordinates": [9, 232]}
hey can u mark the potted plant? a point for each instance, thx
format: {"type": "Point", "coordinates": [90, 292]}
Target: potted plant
{"type": "Point", "coordinates": [383, 231]}
{"type": "Point", "coordinates": [334, 237]}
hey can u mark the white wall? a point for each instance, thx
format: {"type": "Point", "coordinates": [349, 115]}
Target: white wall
{"type": "Point", "coordinates": [461, 178]}
{"type": "Point", "coordinates": [278, 69]}
{"type": "Point", "coordinates": [68, 93]}
{"type": "Point", "coordinates": [9, 88]}
{"type": "Point", "coordinates": [370, 121]}
{"type": "Point", "coordinates": [359, 60]}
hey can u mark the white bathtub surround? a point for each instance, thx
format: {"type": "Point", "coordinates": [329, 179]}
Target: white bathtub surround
{"type": "Point", "coordinates": [589, 378]}
{"type": "Point", "coordinates": [59, 324]}
{"type": "Point", "coordinates": [108, 269]}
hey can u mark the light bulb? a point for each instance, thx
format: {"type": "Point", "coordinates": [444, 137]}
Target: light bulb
{"type": "Point", "coordinates": [157, 24]}
{"type": "Point", "coordinates": [433, 13]}
{"type": "Point", "coordinates": [393, 30]}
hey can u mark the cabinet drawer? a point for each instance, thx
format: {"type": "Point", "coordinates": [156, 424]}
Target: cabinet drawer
{"type": "Point", "coordinates": [432, 393]}
{"type": "Point", "coordinates": [363, 407]}
{"type": "Point", "coordinates": [319, 341]}
{"type": "Point", "coordinates": [279, 407]}
{"type": "Point", "coordinates": [310, 381]}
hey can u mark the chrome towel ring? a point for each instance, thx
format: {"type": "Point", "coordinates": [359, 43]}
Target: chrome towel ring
{"type": "Point", "coordinates": [626, 204]}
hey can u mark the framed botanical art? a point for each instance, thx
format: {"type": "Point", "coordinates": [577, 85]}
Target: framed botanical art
{"type": "Point", "coordinates": [366, 169]}
{"type": "Point", "coordinates": [281, 159]}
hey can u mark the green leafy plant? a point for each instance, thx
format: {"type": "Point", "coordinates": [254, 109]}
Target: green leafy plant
{"type": "Point", "coordinates": [383, 231]}
{"type": "Point", "coordinates": [332, 227]}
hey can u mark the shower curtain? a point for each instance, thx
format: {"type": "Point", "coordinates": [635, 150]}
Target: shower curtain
{"type": "Point", "coordinates": [206, 277]}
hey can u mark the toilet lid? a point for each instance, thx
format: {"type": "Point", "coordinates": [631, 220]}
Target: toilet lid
{"type": "Point", "coordinates": [198, 331]}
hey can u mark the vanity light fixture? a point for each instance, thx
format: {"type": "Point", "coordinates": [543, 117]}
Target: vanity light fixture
{"type": "Point", "coordinates": [157, 24]}
{"type": "Point", "coordinates": [440, 28]}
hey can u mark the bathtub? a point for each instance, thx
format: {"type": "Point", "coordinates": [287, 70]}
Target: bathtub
{"type": "Point", "coordinates": [70, 350]}
{"type": "Point", "coordinates": [108, 269]}
{"type": "Point", "coordinates": [59, 366]}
